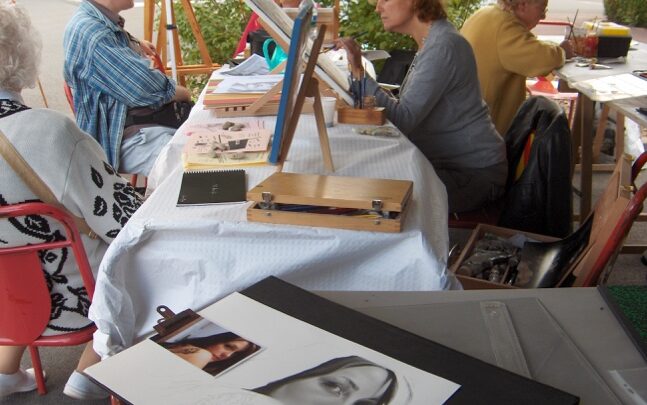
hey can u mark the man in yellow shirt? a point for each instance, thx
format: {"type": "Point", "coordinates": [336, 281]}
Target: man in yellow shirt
{"type": "Point", "coordinates": [507, 53]}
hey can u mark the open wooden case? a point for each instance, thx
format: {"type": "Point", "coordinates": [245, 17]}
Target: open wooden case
{"type": "Point", "coordinates": [331, 201]}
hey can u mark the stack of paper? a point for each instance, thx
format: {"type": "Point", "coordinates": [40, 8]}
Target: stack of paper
{"type": "Point", "coordinates": [240, 90]}
{"type": "Point", "coordinates": [211, 145]}
{"type": "Point", "coordinates": [614, 87]}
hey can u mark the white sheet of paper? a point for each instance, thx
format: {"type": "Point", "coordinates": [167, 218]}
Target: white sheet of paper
{"type": "Point", "coordinates": [614, 87]}
{"type": "Point", "coordinates": [247, 84]}
{"type": "Point", "coordinates": [252, 66]}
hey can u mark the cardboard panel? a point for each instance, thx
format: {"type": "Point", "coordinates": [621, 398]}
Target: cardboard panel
{"type": "Point", "coordinates": [607, 211]}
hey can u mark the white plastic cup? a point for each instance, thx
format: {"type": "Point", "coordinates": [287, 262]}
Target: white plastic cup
{"type": "Point", "coordinates": [329, 105]}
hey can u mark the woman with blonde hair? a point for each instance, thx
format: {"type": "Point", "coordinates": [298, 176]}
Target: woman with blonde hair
{"type": "Point", "coordinates": [507, 53]}
{"type": "Point", "coordinates": [73, 165]}
{"type": "Point", "coordinates": [440, 108]}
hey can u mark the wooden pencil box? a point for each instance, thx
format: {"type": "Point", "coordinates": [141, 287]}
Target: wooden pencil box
{"type": "Point", "coordinates": [365, 116]}
{"type": "Point", "coordinates": [355, 203]}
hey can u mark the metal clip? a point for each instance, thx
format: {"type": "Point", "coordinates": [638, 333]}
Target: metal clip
{"type": "Point", "coordinates": [171, 321]}
{"type": "Point", "coordinates": [377, 208]}
{"type": "Point", "coordinates": [266, 204]}
{"type": "Point", "coordinates": [165, 312]}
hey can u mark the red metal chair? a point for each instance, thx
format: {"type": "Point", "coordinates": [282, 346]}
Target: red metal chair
{"type": "Point", "coordinates": [25, 303]}
{"type": "Point", "coordinates": [603, 263]}
{"type": "Point", "coordinates": [68, 95]}
{"type": "Point", "coordinates": [543, 87]}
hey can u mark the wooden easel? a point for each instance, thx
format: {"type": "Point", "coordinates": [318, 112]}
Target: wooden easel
{"type": "Point", "coordinates": [309, 88]}
{"type": "Point", "coordinates": [182, 70]}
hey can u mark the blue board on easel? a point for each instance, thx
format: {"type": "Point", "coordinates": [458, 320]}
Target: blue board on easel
{"type": "Point", "coordinates": [293, 70]}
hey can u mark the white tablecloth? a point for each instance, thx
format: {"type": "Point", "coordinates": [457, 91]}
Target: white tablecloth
{"type": "Point", "coordinates": [189, 257]}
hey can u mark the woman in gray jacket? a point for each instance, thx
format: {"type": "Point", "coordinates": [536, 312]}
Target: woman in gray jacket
{"type": "Point", "coordinates": [440, 108]}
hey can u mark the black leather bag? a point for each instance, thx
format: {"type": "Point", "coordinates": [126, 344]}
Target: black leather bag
{"type": "Point", "coordinates": [171, 115]}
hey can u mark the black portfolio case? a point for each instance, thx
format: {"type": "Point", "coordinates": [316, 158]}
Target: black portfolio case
{"type": "Point", "coordinates": [481, 383]}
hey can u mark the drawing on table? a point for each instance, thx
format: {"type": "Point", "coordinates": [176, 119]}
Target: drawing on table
{"type": "Point", "coordinates": [614, 87]}
{"type": "Point", "coordinates": [247, 84]}
{"type": "Point", "coordinates": [210, 145]}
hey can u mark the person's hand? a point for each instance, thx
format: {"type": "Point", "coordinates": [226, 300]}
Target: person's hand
{"type": "Point", "coordinates": [148, 48]}
{"type": "Point", "coordinates": [567, 46]}
{"type": "Point", "coordinates": [353, 53]}
{"type": "Point", "coordinates": [182, 94]}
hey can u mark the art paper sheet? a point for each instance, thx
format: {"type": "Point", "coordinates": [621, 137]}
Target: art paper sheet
{"type": "Point", "coordinates": [614, 87]}
{"type": "Point", "coordinates": [259, 84]}
{"type": "Point", "coordinates": [254, 65]}
{"type": "Point", "coordinates": [299, 364]}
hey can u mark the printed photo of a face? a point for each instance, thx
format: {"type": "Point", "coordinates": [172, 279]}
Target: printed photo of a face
{"type": "Point", "coordinates": [209, 347]}
{"type": "Point", "coordinates": [350, 380]}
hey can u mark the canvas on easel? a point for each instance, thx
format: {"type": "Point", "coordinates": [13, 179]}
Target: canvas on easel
{"type": "Point", "coordinates": [297, 84]}
{"type": "Point", "coordinates": [293, 92]}
{"type": "Point", "coordinates": [279, 25]}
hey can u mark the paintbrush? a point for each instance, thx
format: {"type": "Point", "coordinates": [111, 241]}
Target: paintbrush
{"type": "Point", "coordinates": [570, 34]}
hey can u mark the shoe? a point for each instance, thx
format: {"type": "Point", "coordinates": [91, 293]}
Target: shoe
{"type": "Point", "coordinates": [20, 381]}
{"type": "Point", "coordinates": [79, 386]}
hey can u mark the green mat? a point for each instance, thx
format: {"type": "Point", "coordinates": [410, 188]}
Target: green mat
{"type": "Point", "coordinates": [629, 303]}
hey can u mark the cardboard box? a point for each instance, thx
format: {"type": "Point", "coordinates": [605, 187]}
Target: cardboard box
{"type": "Point", "coordinates": [356, 203]}
{"type": "Point", "coordinates": [475, 283]}
{"type": "Point", "coordinates": [606, 214]}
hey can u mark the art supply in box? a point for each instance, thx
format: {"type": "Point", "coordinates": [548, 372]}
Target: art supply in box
{"type": "Point", "coordinates": [494, 259]}
{"type": "Point", "coordinates": [611, 40]}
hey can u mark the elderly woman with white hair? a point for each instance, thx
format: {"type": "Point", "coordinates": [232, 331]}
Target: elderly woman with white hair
{"type": "Point", "coordinates": [507, 53]}
{"type": "Point", "coordinates": [73, 165]}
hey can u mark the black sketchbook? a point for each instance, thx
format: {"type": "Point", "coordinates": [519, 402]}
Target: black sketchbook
{"type": "Point", "coordinates": [212, 187]}
{"type": "Point", "coordinates": [481, 383]}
